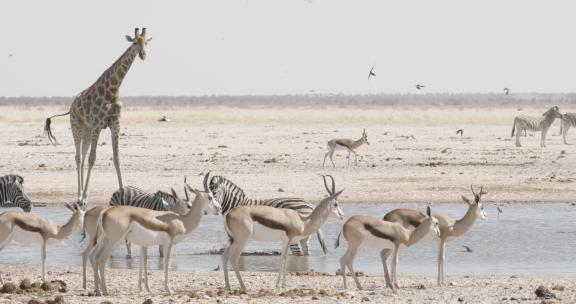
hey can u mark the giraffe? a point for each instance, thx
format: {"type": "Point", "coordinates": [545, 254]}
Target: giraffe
{"type": "Point", "coordinates": [97, 108]}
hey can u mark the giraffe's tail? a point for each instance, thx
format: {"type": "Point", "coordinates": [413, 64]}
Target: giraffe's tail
{"type": "Point", "coordinates": [48, 130]}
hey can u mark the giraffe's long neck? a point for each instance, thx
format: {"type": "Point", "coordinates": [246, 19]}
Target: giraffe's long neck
{"type": "Point", "coordinates": [112, 78]}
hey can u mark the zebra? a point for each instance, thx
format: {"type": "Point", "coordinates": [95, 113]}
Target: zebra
{"type": "Point", "coordinates": [568, 120]}
{"type": "Point", "coordinates": [531, 123]}
{"type": "Point", "coordinates": [159, 201]}
{"type": "Point", "coordinates": [12, 194]}
{"type": "Point", "coordinates": [15, 178]}
{"type": "Point", "coordinates": [231, 196]}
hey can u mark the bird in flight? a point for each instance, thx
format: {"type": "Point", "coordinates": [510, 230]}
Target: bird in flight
{"type": "Point", "coordinates": [419, 86]}
{"type": "Point", "coordinates": [506, 91]}
{"type": "Point", "coordinates": [371, 72]}
{"type": "Point", "coordinates": [468, 249]}
{"type": "Point", "coordinates": [460, 131]}
{"type": "Point", "coordinates": [499, 209]}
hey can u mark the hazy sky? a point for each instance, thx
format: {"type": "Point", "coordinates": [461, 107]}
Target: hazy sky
{"type": "Point", "coordinates": [276, 47]}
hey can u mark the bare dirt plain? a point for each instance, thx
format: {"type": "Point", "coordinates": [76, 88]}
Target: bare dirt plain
{"type": "Point", "coordinates": [414, 154]}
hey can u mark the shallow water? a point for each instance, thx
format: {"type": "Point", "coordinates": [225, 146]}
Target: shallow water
{"type": "Point", "coordinates": [530, 239]}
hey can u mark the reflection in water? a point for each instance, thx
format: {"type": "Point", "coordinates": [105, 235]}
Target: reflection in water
{"type": "Point", "coordinates": [499, 245]}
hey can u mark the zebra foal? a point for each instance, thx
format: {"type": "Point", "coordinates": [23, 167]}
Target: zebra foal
{"type": "Point", "coordinates": [12, 193]}
{"type": "Point", "coordinates": [231, 196]}
{"type": "Point", "coordinates": [535, 124]}
{"type": "Point", "coordinates": [159, 201]}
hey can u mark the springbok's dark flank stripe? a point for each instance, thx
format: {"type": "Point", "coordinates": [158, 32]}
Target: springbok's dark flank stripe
{"type": "Point", "coordinates": [268, 222]}
{"type": "Point", "coordinates": [231, 196]}
{"type": "Point", "coordinates": [377, 233]}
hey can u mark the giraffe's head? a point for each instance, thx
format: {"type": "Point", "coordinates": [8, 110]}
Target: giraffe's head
{"type": "Point", "coordinates": [139, 41]}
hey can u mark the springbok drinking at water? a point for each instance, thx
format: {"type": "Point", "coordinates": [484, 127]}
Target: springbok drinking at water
{"type": "Point", "coordinates": [364, 230]}
{"type": "Point", "coordinates": [28, 228]}
{"type": "Point", "coordinates": [345, 144]}
{"type": "Point", "coordinates": [145, 227]}
{"type": "Point", "coordinates": [269, 224]}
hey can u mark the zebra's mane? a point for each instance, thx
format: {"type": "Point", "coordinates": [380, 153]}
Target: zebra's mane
{"type": "Point", "coordinates": [214, 184]}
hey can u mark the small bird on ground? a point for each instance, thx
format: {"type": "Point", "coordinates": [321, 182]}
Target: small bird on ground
{"type": "Point", "coordinates": [371, 72]}
{"type": "Point", "coordinates": [217, 268]}
{"type": "Point", "coordinates": [460, 131]}
{"type": "Point", "coordinates": [419, 86]}
{"type": "Point", "coordinates": [468, 249]}
{"type": "Point", "coordinates": [164, 119]}
{"type": "Point", "coordinates": [506, 91]}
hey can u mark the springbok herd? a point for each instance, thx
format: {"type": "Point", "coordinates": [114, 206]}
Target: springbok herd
{"type": "Point", "coordinates": [164, 219]}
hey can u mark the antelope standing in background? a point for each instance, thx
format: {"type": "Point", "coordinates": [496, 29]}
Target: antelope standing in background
{"type": "Point", "coordinates": [449, 228]}
{"type": "Point", "coordinates": [268, 224]}
{"type": "Point", "coordinates": [345, 144]}
{"type": "Point", "coordinates": [568, 120]}
{"type": "Point", "coordinates": [535, 124]}
{"type": "Point", "coordinates": [145, 227]}
{"type": "Point", "coordinates": [27, 228]}
{"type": "Point", "coordinates": [97, 108]}
{"type": "Point", "coordinates": [363, 230]}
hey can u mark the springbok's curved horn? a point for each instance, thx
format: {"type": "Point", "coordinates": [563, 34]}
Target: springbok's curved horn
{"type": "Point", "coordinates": [205, 182]}
{"type": "Point", "coordinates": [364, 131]}
{"type": "Point", "coordinates": [186, 192]}
{"type": "Point", "coordinates": [333, 184]}
{"type": "Point", "coordinates": [472, 188]}
{"type": "Point", "coordinates": [326, 185]}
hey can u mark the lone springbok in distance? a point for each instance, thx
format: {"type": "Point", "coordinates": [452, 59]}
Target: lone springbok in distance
{"type": "Point", "coordinates": [91, 223]}
{"type": "Point", "coordinates": [269, 224]}
{"type": "Point", "coordinates": [449, 228]}
{"type": "Point", "coordinates": [345, 144]}
{"type": "Point", "coordinates": [145, 228]}
{"type": "Point", "coordinates": [27, 228]}
{"type": "Point", "coordinates": [364, 230]}
{"type": "Point", "coordinates": [568, 120]}
{"type": "Point", "coordinates": [535, 124]}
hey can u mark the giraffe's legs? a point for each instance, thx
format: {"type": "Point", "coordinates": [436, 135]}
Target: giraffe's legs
{"type": "Point", "coordinates": [77, 134]}
{"type": "Point", "coordinates": [91, 161]}
{"type": "Point", "coordinates": [85, 145]}
{"type": "Point", "coordinates": [115, 132]}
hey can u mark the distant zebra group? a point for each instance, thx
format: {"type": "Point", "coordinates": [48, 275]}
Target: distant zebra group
{"type": "Point", "coordinates": [542, 124]}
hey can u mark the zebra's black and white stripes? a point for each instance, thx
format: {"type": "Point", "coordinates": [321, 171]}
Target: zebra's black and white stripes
{"type": "Point", "coordinates": [12, 193]}
{"type": "Point", "coordinates": [132, 196]}
{"type": "Point", "coordinates": [568, 120]}
{"type": "Point", "coordinates": [535, 124]}
{"type": "Point", "coordinates": [231, 196]}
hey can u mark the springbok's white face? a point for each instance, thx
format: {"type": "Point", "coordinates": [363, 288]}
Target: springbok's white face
{"type": "Point", "coordinates": [209, 206]}
{"type": "Point", "coordinates": [477, 204]}
{"type": "Point", "coordinates": [77, 210]}
{"type": "Point", "coordinates": [480, 211]}
{"type": "Point", "coordinates": [365, 137]}
{"type": "Point", "coordinates": [433, 221]}
{"type": "Point", "coordinates": [336, 211]}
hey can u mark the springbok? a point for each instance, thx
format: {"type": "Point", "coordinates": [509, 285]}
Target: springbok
{"type": "Point", "coordinates": [347, 144]}
{"type": "Point", "coordinates": [364, 230]}
{"type": "Point", "coordinates": [145, 227]}
{"type": "Point", "coordinates": [449, 228]}
{"type": "Point", "coordinates": [28, 228]}
{"type": "Point", "coordinates": [269, 224]}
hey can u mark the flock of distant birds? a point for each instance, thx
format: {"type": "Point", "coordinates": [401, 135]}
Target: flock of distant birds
{"type": "Point", "coordinates": [418, 86]}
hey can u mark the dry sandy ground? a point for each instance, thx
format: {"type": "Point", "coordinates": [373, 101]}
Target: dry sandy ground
{"type": "Point", "coordinates": [206, 287]}
{"type": "Point", "coordinates": [414, 153]}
